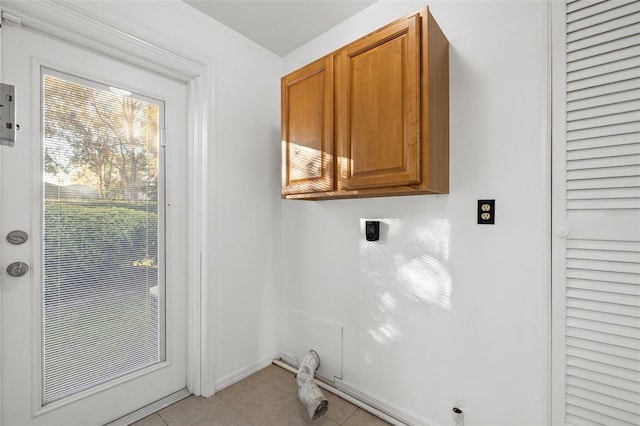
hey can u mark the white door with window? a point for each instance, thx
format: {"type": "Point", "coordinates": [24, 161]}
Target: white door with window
{"type": "Point", "coordinates": [96, 328]}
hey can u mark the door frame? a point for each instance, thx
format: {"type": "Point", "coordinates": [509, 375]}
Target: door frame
{"type": "Point", "coordinates": [558, 212]}
{"type": "Point", "coordinates": [86, 25]}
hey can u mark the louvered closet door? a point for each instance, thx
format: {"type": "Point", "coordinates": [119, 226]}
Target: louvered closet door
{"type": "Point", "coordinates": [596, 213]}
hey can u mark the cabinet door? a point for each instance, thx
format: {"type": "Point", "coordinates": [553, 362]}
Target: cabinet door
{"type": "Point", "coordinates": [378, 108]}
{"type": "Point", "coordinates": [307, 129]}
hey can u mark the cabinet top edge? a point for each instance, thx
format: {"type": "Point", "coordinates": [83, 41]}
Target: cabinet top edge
{"type": "Point", "coordinates": [423, 13]}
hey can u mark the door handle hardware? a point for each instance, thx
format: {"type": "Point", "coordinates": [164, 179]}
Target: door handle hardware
{"type": "Point", "coordinates": [17, 269]}
{"type": "Point", "coordinates": [17, 237]}
{"type": "Point", "coordinates": [561, 231]}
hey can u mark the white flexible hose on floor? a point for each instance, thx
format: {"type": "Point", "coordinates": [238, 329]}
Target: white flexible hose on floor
{"type": "Point", "coordinates": [309, 393]}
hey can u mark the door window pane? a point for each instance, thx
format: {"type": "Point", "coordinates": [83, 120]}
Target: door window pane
{"type": "Point", "coordinates": [102, 298]}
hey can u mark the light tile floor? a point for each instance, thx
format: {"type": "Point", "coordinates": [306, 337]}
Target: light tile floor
{"type": "Point", "coordinates": [266, 398]}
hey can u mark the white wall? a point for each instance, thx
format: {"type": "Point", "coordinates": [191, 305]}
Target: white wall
{"type": "Point", "coordinates": [244, 179]}
{"type": "Point", "coordinates": [442, 311]}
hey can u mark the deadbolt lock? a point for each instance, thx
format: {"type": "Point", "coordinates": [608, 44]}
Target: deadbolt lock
{"type": "Point", "coordinates": [17, 237]}
{"type": "Point", "coordinates": [17, 269]}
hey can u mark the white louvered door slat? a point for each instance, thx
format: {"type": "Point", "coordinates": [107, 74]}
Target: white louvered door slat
{"type": "Point", "coordinates": [600, 132]}
{"type": "Point", "coordinates": [603, 246]}
{"type": "Point", "coordinates": [607, 151]}
{"type": "Point", "coordinates": [595, 9]}
{"type": "Point", "coordinates": [605, 37]}
{"type": "Point", "coordinates": [591, 67]}
{"type": "Point", "coordinates": [573, 6]}
{"type": "Point", "coordinates": [611, 267]}
{"type": "Point", "coordinates": [590, 143]}
{"type": "Point", "coordinates": [633, 170]}
{"type": "Point", "coordinates": [604, 194]}
{"type": "Point", "coordinates": [603, 80]}
{"type": "Point", "coordinates": [616, 256]}
{"type": "Point", "coordinates": [602, 28]}
{"type": "Point", "coordinates": [604, 398]}
{"type": "Point", "coordinates": [594, 386]}
{"type": "Point", "coordinates": [610, 43]}
{"type": "Point", "coordinates": [618, 182]}
{"type": "Point", "coordinates": [604, 120]}
{"type": "Point", "coordinates": [604, 162]}
{"type": "Point", "coordinates": [603, 101]}
{"type": "Point", "coordinates": [596, 200]}
{"type": "Point", "coordinates": [627, 8]}
{"type": "Point", "coordinates": [602, 348]}
{"type": "Point", "coordinates": [613, 88]}
{"type": "Point", "coordinates": [604, 110]}
{"type": "Point", "coordinates": [611, 47]}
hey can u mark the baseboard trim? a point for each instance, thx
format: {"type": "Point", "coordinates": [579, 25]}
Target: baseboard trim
{"type": "Point", "coordinates": [288, 359]}
{"type": "Point", "coordinates": [150, 409]}
{"type": "Point", "coordinates": [359, 399]}
{"type": "Point", "coordinates": [384, 406]}
{"type": "Point", "coordinates": [242, 374]}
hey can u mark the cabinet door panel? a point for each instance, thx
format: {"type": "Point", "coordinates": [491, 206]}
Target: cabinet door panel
{"type": "Point", "coordinates": [378, 108]}
{"type": "Point", "coordinates": [307, 131]}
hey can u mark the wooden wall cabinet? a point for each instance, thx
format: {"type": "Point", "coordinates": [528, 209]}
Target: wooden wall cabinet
{"type": "Point", "coordinates": [307, 128]}
{"type": "Point", "coordinates": [372, 118]}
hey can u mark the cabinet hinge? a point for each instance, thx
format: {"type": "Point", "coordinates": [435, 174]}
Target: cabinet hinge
{"type": "Point", "coordinates": [12, 18]}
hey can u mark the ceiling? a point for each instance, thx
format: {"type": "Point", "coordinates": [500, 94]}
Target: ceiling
{"type": "Point", "coordinates": [280, 26]}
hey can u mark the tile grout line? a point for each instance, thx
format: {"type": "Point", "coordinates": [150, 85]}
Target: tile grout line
{"type": "Point", "coordinates": [272, 381]}
{"type": "Point", "coordinates": [365, 407]}
{"type": "Point", "coordinates": [349, 416]}
{"type": "Point", "coordinates": [161, 418]}
{"type": "Point", "coordinates": [269, 382]}
{"type": "Point", "coordinates": [285, 403]}
{"type": "Point", "coordinates": [237, 412]}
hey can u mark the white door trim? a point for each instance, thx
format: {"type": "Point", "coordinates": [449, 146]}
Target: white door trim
{"type": "Point", "coordinates": [546, 335]}
{"type": "Point", "coordinates": [559, 224]}
{"type": "Point", "coordinates": [88, 25]}
{"type": "Point", "coordinates": [0, 224]}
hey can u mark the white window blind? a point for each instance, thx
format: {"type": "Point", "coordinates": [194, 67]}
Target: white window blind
{"type": "Point", "coordinates": [102, 298]}
{"type": "Point", "coordinates": [602, 187]}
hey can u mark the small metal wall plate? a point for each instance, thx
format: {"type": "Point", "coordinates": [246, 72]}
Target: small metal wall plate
{"type": "Point", "coordinates": [7, 114]}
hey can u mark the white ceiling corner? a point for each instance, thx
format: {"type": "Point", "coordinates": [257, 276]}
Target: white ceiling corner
{"type": "Point", "coordinates": [280, 26]}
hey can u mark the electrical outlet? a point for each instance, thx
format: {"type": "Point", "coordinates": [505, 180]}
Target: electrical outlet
{"type": "Point", "coordinates": [486, 212]}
